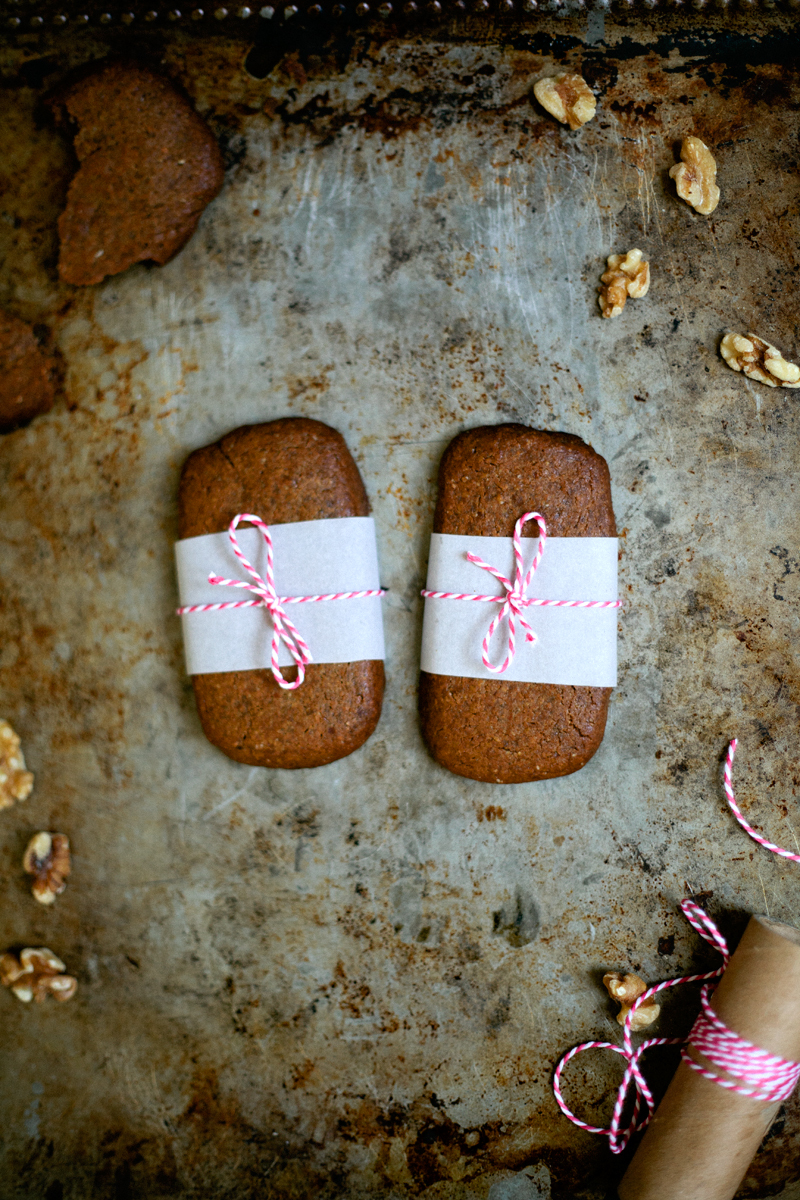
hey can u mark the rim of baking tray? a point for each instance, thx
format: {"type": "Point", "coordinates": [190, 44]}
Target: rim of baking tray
{"type": "Point", "coordinates": [392, 16]}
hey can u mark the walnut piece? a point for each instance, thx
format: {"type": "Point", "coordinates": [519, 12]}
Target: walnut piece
{"type": "Point", "coordinates": [626, 989]}
{"type": "Point", "coordinates": [695, 176]}
{"type": "Point", "coordinates": [36, 974]}
{"type": "Point", "coordinates": [47, 857]}
{"type": "Point", "coordinates": [627, 275]}
{"type": "Point", "coordinates": [759, 360]}
{"type": "Point", "coordinates": [15, 782]}
{"type": "Point", "coordinates": [566, 97]}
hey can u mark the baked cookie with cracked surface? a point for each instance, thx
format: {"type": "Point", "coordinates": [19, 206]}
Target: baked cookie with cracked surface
{"type": "Point", "coordinates": [28, 375]}
{"type": "Point", "coordinates": [492, 729]}
{"type": "Point", "coordinates": [149, 166]}
{"type": "Point", "coordinates": [290, 470]}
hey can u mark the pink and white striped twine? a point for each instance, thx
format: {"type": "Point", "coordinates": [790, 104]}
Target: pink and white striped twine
{"type": "Point", "coordinates": [515, 600]}
{"type": "Point", "coordinates": [283, 629]}
{"type": "Point", "coordinates": [764, 1077]}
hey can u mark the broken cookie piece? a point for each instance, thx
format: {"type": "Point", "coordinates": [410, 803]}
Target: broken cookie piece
{"type": "Point", "coordinates": [36, 974]}
{"type": "Point", "coordinates": [15, 782]}
{"type": "Point", "coordinates": [627, 275]}
{"type": "Point", "coordinates": [566, 97]}
{"type": "Point", "coordinates": [695, 177]}
{"type": "Point", "coordinates": [27, 375]}
{"type": "Point", "coordinates": [759, 360]}
{"type": "Point", "coordinates": [47, 857]}
{"type": "Point", "coordinates": [149, 165]}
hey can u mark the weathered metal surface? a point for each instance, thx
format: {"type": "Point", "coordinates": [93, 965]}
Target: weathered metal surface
{"type": "Point", "coordinates": [355, 981]}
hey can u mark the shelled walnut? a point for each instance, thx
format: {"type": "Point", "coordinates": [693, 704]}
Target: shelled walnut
{"type": "Point", "coordinates": [627, 275]}
{"type": "Point", "coordinates": [566, 97]}
{"type": "Point", "coordinates": [47, 857]}
{"type": "Point", "coordinates": [759, 360]}
{"type": "Point", "coordinates": [695, 177]}
{"type": "Point", "coordinates": [15, 782]}
{"type": "Point", "coordinates": [36, 974]}
{"type": "Point", "coordinates": [626, 989]}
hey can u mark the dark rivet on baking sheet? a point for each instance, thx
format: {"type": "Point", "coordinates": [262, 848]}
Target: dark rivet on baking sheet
{"type": "Point", "coordinates": [314, 10]}
{"type": "Point", "coordinates": [434, 6]}
{"type": "Point", "coordinates": [338, 10]}
{"type": "Point", "coordinates": [105, 18]}
{"type": "Point", "coordinates": [244, 13]}
{"type": "Point", "coordinates": [385, 10]}
{"type": "Point", "coordinates": [174, 14]}
{"type": "Point", "coordinates": [362, 10]}
{"type": "Point", "coordinates": [127, 18]}
{"type": "Point", "coordinates": [530, 5]}
{"type": "Point", "coordinates": [289, 11]}
{"type": "Point", "coordinates": [197, 14]}
{"type": "Point", "coordinates": [37, 21]}
{"type": "Point", "coordinates": [14, 22]}
{"type": "Point", "coordinates": [152, 15]}
{"type": "Point", "coordinates": [60, 19]}
{"type": "Point", "coordinates": [267, 12]}
{"type": "Point", "coordinates": [481, 5]}
{"type": "Point", "coordinates": [82, 19]}
{"type": "Point", "coordinates": [220, 13]}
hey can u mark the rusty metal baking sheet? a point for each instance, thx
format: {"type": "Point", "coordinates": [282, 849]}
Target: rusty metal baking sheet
{"type": "Point", "coordinates": [355, 981]}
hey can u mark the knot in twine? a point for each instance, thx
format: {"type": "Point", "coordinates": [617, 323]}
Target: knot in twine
{"type": "Point", "coordinates": [764, 1077]}
{"type": "Point", "coordinates": [283, 628]}
{"type": "Point", "coordinates": [516, 600]}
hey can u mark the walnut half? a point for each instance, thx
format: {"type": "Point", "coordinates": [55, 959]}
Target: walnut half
{"type": "Point", "coordinates": [695, 176]}
{"type": "Point", "coordinates": [759, 360]}
{"type": "Point", "coordinates": [626, 989]}
{"type": "Point", "coordinates": [627, 275]}
{"type": "Point", "coordinates": [36, 974]}
{"type": "Point", "coordinates": [47, 857]}
{"type": "Point", "coordinates": [15, 782]}
{"type": "Point", "coordinates": [566, 97]}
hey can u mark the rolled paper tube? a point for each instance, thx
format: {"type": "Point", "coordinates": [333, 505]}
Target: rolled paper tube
{"type": "Point", "coordinates": [703, 1137]}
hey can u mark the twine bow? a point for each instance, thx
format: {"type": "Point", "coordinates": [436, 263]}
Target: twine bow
{"type": "Point", "coordinates": [283, 628]}
{"type": "Point", "coordinates": [515, 600]}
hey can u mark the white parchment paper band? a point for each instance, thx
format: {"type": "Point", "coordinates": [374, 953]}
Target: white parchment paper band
{"type": "Point", "coordinates": [310, 558]}
{"type": "Point", "coordinates": [576, 647]}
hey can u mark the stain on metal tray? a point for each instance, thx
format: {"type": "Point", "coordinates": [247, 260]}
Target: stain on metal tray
{"type": "Point", "coordinates": [355, 981]}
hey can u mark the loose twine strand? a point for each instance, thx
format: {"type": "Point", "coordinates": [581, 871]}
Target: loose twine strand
{"type": "Point", "coordinates": [757, 1074]}
{"type": "Point", "coordinates": [514, 601]}
{"type": "Point", "coordinates": [283, 628]}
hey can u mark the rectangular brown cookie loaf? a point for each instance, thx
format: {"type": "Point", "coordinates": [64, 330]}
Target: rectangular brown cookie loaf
{"type": "Point", "coordinates": [489, 729]}
{"type": "Point", "coordinates": [289, 470]}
